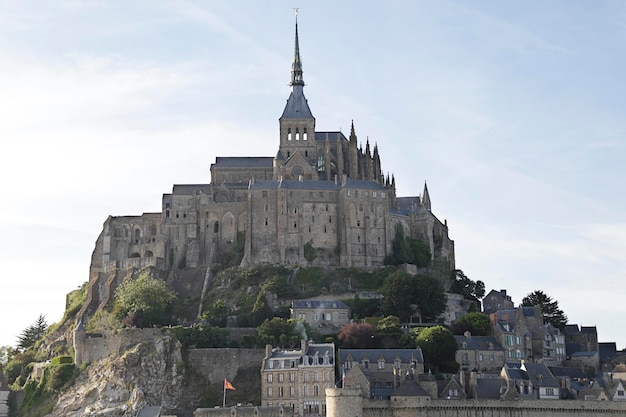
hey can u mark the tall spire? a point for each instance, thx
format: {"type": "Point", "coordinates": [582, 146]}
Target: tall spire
{"type": "Point", "coordinates": [296, 64]}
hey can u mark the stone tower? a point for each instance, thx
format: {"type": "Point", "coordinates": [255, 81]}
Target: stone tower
{"type": "Point", "coordinates": [297, 154]}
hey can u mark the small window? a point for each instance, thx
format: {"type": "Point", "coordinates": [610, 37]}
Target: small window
{"type": "Point", "coordinates": [304, 135]}
{"type": "Point", "coordinates": [288, 134]}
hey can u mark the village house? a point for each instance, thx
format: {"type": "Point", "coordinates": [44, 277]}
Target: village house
{"type": "Point", "coordinates": [297, 379]}
{"type": "Point", "coordinates": [327, 317]}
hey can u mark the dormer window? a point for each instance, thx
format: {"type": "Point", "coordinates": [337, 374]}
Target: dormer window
{"type": "Point", "coordinates": [381, 363]}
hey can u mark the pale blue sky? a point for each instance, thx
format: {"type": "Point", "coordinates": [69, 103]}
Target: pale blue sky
{"type": "Point", "coordinates": [514, 112]}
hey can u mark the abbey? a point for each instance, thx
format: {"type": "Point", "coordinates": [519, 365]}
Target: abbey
{"type": "Point", "coordinates": [320, 200]}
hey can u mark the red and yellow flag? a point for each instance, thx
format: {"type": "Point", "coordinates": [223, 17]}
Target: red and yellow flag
{"type": "Point", "coordinates": [228, 385]}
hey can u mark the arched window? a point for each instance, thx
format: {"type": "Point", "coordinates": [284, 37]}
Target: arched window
{"type": "Point", "coordinates": [289, 134]}
{"type": "Point", "coordinates": [304, 135]}
{"type": "Point", "coordinates": [297, 134]}
{"type": "Point", "coordinates": [216, 227]}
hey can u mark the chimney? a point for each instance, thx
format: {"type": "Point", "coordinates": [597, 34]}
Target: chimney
{"type": "Point", "coordinates": [467, 334]}
{"type": "Point", "coordinates": [268, 351]}
{"type": "Point", "coordinates": [304, 345]}
{"type": "Point", "coordinates": [503, 292]}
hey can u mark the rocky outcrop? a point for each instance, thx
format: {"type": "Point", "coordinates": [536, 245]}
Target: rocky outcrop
{"type": "Point", "coordinates": [149, 373]}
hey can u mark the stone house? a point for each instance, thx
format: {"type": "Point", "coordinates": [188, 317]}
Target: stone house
{"type": "Point", "coordinates": [378, 372]}
{"type": "Point", "coordinates": [479, 353]}
{"type": "Point", "coordinates": [523, 335]}
{"type": "Point", "coordinates": [297, 379]}
{"type": "Point", "coordinates": [496, 300]}
{"type": "Point", "coordinates": [529, 381]}
{"type": "Point", "coordinates": [323, 315]}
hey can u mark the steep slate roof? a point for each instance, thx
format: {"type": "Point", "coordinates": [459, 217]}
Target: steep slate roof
{"type": "Point", "coordinates": [297, 106]}
{"type": "Point", "coordinates": [188, 189]}
{"type": "Point", "coordinates": [315, 185]}
{"type": "Point", "coordinates": [489, 388]}
{"type": "Point", "coordinates": [410, 388]}
{"type": "Point", "coordinates": [243, 162]}
{"type": "Point", "coordinates": [478, 343]}
{"type": "Point", "coordinates": [405, 355]}
{"type": "Point", "coordinates": [571, 329]}
{"type": "Point", "coordinates": [289, 357]}
{"type": "Point", "coordinates": [329, 304]}
{"type": "Point", "coordinates": [332, 136]}
{"type": "Point", "coordinates": [564, 372]}
{"type": "Point", "coordinates": [540, 375]}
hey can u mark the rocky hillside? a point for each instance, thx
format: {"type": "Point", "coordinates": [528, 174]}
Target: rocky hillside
{"type": "Point", "coordinates": [150, 373]}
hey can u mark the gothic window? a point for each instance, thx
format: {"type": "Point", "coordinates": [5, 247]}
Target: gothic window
{"type": "Point", "coordinates": [297, 134]}
{"type": "Point", "coordinates": [288, 134]}
{"type": "Point", "coordinates": [321, 163]}
{"type": "Point", "coordinates": [304, 135]}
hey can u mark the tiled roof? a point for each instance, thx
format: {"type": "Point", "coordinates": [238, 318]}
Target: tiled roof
{"type": "Point", "coordinates": [410, 388]}
{"type": "Point", "coordinates": [189, 189]}
{"type": "Point", "coordinates": [316, 185]}
{"type": "Point", "coordinates": [328, 304]}
{"type": "Point", "coordinates": [390, 355]}
{"type": "Point", "coordinates": [540, 375]}
{"type": "Point", "coordinates": [297, 106]}
{"type": "Point", "coordinates": [478, 343]}
{"type": "Point", "coordinates": [332, 136]}
{"type": "Point", "coordinates": [243, 162]}
{"type": "Point", "coordinates": [488, 388]}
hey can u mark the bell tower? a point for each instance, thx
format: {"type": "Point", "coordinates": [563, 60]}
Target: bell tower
{"type": "Point", "coordinates": [297, 155]}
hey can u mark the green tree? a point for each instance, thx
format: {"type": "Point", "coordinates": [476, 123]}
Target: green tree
{"type": "Point", "coordinates": [429, 296]}
{"type": "Point", "coordinates": [401, 290]}
{"type": "Point", "coordinates": [144, 301]}
{"type": "Point", "coordinates": [471, 290]}
{"type": "Point", "coordinates": [278, 331]}
{"type": "Point", "coordinates": [549, 308]}
{"type": "Point", "coordinates": [475, 322]}
{"type": "Point", "coordinates": [438, 346]}
{"type": "Point", "coordinates": [6, 354]}
{"type": "Point", "coordinates": [32, 333]}
{"type": "Point", "coordinates": [398, 295]}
